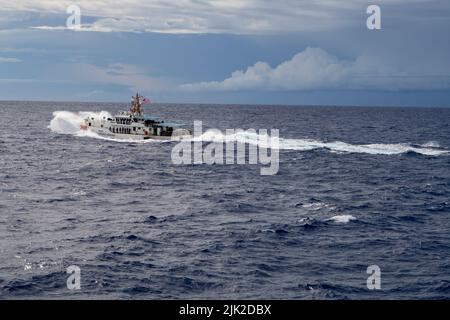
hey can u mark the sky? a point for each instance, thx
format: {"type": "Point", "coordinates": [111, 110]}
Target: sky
{"type": "Point", "coordinates": [300, 52]}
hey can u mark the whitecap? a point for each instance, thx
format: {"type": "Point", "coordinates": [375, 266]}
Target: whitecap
{"type": "Point", "coordinates": [346, 218]}
{"type": "Point", "coordinates": [431, 144]}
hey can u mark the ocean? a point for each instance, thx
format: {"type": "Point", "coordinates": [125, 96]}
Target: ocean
{"type": "Point", "coordinates": [356, 187]}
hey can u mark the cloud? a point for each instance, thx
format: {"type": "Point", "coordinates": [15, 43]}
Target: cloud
{"type": "Point", "coordinates": [50, 28]}
{"type": "Point", "coordinates": [316, 69]}
{"type": "Point", "coordinates": [130, 25]}
{"type": "Point", "coordinates": [9, 60]}
{"type": "Point", "coordinates": [219, 16]}
{"type": "Point", "coordinates": [134, 77]}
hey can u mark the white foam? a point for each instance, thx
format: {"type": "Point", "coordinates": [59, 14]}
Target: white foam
{"type": "Point", "coordinates": [314, 206]}
{"type": "Point", "coordinates": [336, 146]}
{"type": "Point", "coordinates": [431, 144]}
{"type": "Point", "coordinates": [346, 218]}
{"type": "Point", "coordinates": [66, 122]}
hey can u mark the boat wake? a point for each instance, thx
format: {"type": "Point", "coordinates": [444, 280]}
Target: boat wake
{"type": "Point", "coordinates": [66, 122]}
{"type": "Point", "coordinates": [429, 148]}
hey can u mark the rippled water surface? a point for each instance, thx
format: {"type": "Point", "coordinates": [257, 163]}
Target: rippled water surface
{"type": "Point", "coordinates": [355, 187]}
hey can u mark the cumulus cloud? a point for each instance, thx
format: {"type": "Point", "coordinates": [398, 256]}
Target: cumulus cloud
{"type": "Point", "coordinates": [216, 16]}
{"type": "Point", "coordinates": [316, 69]}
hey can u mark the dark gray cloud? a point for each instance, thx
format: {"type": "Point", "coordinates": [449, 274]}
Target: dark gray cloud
{"type": "Point", "coordinates": [219, 16]}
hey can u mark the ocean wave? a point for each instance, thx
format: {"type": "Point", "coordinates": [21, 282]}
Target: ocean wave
{"type": "Point", "coordinates": [431, 144]}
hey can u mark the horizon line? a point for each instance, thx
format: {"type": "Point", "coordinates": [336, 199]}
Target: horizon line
{"type": "Point", "coordinates": [242, 104]}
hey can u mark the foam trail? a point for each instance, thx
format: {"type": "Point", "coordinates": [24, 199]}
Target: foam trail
{"type": "Point", "coordinates": [66, 122]}
{"type": "Point", "coordinates": [336, 146]}
{"type": "Point", "coordinates": [431, 144]}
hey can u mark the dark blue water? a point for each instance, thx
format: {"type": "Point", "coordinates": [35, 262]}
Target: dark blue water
{"type": "Point", "coordinates": [140, 227]}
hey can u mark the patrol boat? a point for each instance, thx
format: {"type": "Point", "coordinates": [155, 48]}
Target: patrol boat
{"type": "Point", "coordinates": [134, 125]}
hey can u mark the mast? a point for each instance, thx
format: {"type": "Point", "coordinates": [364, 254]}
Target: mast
{"type": "Point", "coordinates": [136, 106]}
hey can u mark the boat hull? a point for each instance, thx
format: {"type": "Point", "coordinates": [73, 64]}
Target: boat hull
{"type": "Point", "coordinates": [136, 137]}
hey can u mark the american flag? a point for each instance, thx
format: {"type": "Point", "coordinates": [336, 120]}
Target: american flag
{"type": "Point", "coordinates": [145, 100]}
